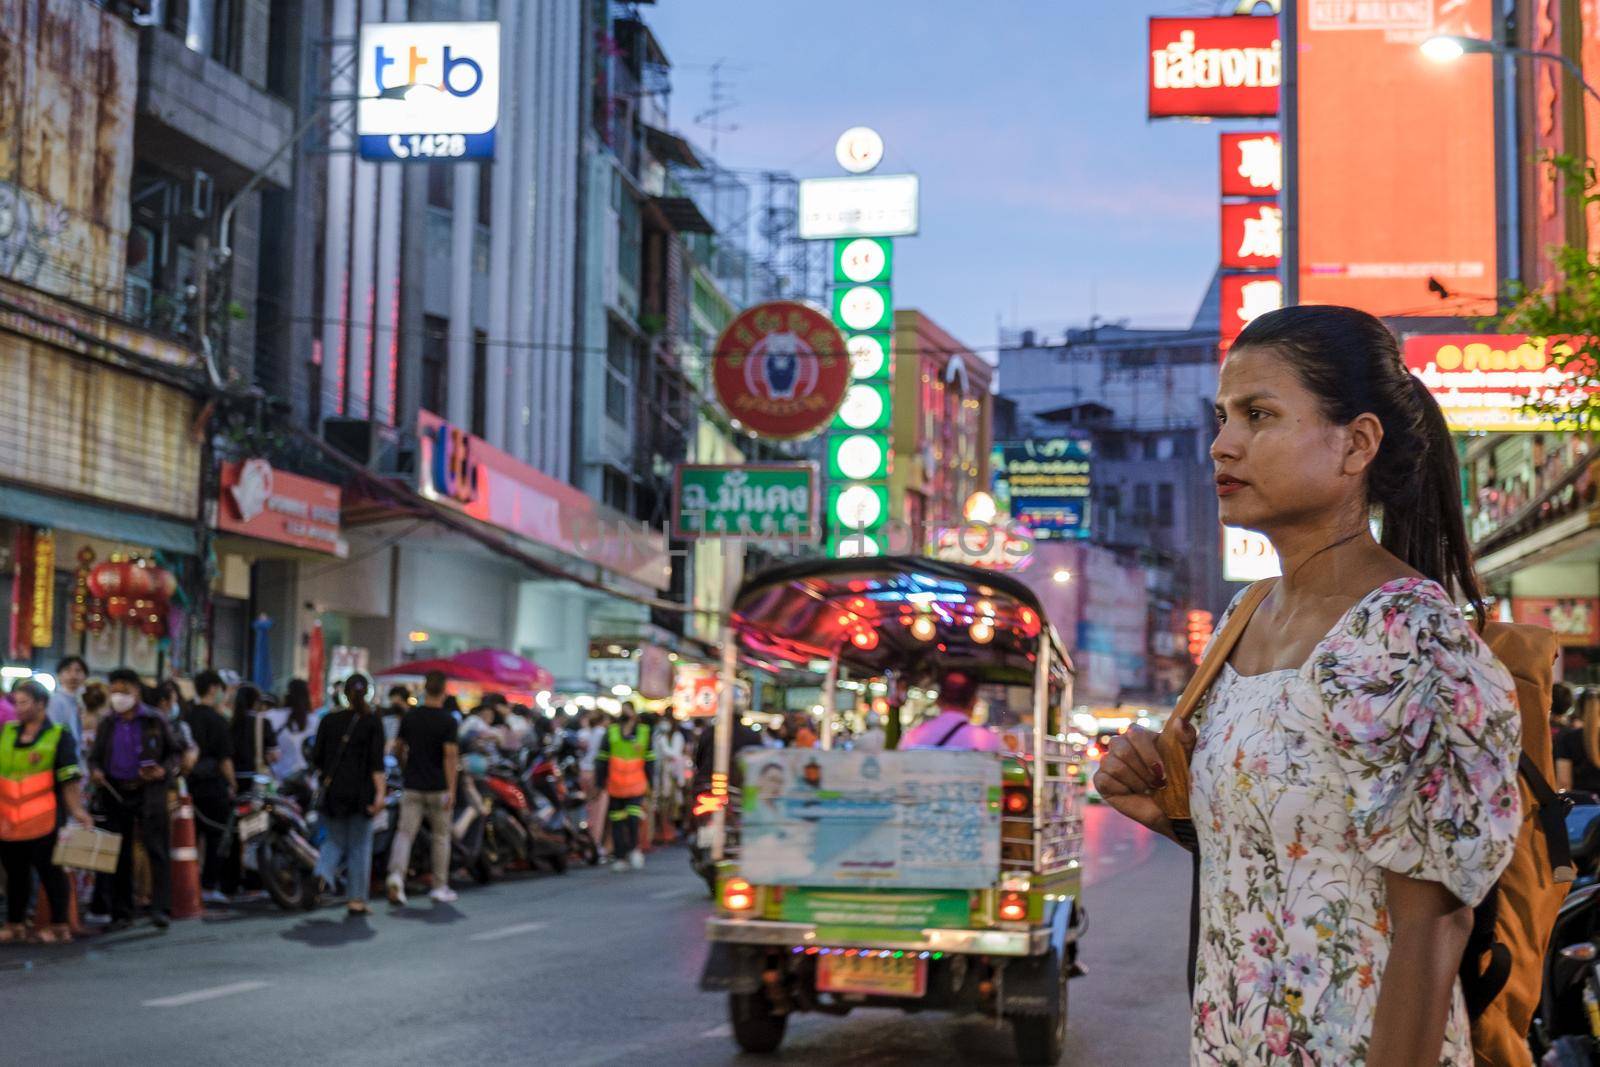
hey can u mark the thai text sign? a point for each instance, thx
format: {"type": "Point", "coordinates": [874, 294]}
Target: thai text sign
{"type": "Point", "coordinates": [1214, 67]}
{"type": "Point", "coordinates": [872, 205]}
{"type": "Point", "coordinates": [467, 474]}
{"type": "Point", "coordinates": [776, 500]}
{"type": "Point", "coordinates": [917, 819]}
{"type": "Point", "coordinates": [274, 505]}
{"type": "Point", "coordinates": [1487, 382]}
{"type": "Point", "coordinates": [1044, 484]}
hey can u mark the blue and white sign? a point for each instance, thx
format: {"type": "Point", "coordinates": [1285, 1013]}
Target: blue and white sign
{"type": "Point", "coordinates": [908, 820]}
{"type": "Point", "coordinates": [1044, 484]}
{"type": "Point", "coordinates": [428, 91]}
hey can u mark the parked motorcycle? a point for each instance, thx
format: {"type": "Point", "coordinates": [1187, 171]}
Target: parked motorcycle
{"type": "Point", "coordinates": [523, 828]}
{"type": "Point", "coordinates": [553, 779]}
{"type": "Point", "coordinates": [271, 830]}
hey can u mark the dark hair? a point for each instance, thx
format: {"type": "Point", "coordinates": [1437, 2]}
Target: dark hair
{"type": "Point", "coordinates": [67, 661]}
{"type": "Point", "coordinates": [355, 691]}
{"type": "Point", "coordinates": [958, 689]}
{"type": "Point", "coordinates": [150, 694]}
{"type": "Point", "coordinates": [298, 699]}
{"type": "Point", "coordinates": [205, 682]}
{"type": "Point", "coordinates": [35, 690]}
{"type": "Point", "coordinates": [126, 674]}
{"type": "Point", "coordinates": [400, 691]}
{"type": "Point", "coordinates": [433, 683]}
{"type": "Point", "coordinates": [246, 698]}
{"type": "Point", "coordinates": [1560, 700]}
{"type": "Point", "coordinates": [1351, 361]}
{"type": "Point", "coordinates": [451, 703]}
{"type": "Point", "coordinates": [95, 697]}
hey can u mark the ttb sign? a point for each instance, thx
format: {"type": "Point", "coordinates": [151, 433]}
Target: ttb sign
{"type": "Point", "coordinates": [428, 91]}
{"type": "Point", "coordinates": [777, 500]}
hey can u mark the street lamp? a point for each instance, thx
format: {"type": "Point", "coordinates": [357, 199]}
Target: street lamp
{"type": "Point", "coordinates": [1447, 48]}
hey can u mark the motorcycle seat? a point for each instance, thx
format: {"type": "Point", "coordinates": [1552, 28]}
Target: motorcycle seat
{"type": "Point", "coordinates": [1583, 831]}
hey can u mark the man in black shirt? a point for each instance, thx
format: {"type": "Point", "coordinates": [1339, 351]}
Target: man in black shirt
{"type": "Point", "coordinates": [427, 747]}
{"type": "Point", "coordinates": [211, 782]}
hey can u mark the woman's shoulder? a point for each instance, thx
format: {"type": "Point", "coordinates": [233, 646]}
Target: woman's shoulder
{"type": "Point", "coordinates": [1406, 629]}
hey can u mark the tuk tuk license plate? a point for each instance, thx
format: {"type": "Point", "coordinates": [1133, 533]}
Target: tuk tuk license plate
{"type": "Point", "coordinates": [252, 826]}
{"type": "Point", "coordinates": [873, 976]}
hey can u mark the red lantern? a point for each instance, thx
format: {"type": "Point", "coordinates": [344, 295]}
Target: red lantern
{"type": "Point", "coordinates": [118, 607]}
{"type": "Point", "coordinates": [152, 626]}
{"type": "Point", "coordinates": [128, 579]}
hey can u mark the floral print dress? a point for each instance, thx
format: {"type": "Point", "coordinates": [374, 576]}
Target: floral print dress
{"type": "Point", "coordinates": [1394, 747]}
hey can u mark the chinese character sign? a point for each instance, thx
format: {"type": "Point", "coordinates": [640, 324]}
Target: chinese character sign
{"type": "Point", "coordinates": [1252, 164]}
{"type": "Point", "coordinates": [1246, 297]}
{"type": "Point", "coordinates": [1252, 235]}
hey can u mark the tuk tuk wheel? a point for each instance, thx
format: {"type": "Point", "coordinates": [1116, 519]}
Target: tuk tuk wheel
{"type": "Point", "coordinates": [756, 1027]}
{"type": "Point", "coordinates": [1041, 1039]}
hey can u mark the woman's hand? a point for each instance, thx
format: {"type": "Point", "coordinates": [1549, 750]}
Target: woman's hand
{"type": "Point", "coordinates": [1130, 773]}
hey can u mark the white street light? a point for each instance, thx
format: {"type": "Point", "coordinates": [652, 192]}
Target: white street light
{"type": "Point", "coordinates": [1061, 577]}
{"type": "Point", "coordinates": [1447, 48]}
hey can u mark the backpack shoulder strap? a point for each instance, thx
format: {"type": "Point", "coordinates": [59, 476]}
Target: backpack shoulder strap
{"type": "Point", "coordinates": [1174, 796]}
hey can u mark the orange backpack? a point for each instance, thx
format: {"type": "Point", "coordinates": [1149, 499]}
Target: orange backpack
{"type": "Point", "coordinates": [1503, 966]}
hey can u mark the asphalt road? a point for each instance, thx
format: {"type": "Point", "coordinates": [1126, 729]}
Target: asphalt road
{"type": "Point", "coordinates": [587, 969]}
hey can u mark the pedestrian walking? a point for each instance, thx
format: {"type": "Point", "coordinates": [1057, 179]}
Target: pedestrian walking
{"type": "Point", "coordinates": [39, 782]}
{"type": "Point", "coordinates": [430, 754]}
{"type": "Point", "coordinates": [394, 711]}
{"type": "Point", "coordinates": [348, 758]}
{"type": "Point", "coordinates": [255, 742]}
{"type": "Point", "coordinates": [212, 786]}
{"type": "Point", "coordinates": [625, 768]}
{"type": "Point", "coordinates": [135, 754]}
{"type": "Point", "coordinates": [1353, 784]}
{"type": "Point", "coordinates": [66, 703]}
{"type": "Point", "coordinates": [292, 725]}
{"type": "Point", "coordinates": [672, 762]}
{"type": "Point", "coordinates": [591, 735]}
{"type": "Point", "coordinates": [1577, 749]}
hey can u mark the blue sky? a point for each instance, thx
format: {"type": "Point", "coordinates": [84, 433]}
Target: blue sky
{"type": "Point", "coordinates": [1041, 178]}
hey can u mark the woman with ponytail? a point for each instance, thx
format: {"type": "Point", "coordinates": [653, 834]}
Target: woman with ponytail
{"type": "Point", "coordinates": [1577, 749]}
{"type": "Point", "coordinates": [348, 758]}
{"type": "Point", "coordinates": [1352, 782]}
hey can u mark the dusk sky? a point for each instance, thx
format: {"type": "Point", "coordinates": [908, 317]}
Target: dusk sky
{"type": "Point", "coordinates": [1041, 178]}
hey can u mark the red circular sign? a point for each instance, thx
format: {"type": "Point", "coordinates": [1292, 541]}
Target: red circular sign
{"type": "Point", "coordinates": [780, 369]}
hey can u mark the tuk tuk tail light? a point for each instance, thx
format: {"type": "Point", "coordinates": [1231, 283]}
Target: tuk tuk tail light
{"type": "Point", "coordinates": [1018, 801]}
{"type": "Point", "coordinates": [1013, 907]}
{"type": "Point", "coordinates": [738, 895]}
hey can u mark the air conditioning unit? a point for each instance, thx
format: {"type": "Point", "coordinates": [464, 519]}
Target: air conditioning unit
{"type": "Point", "coordinates": [363, 440]}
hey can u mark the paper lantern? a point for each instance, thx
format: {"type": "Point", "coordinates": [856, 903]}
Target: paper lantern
{"type": "Point", "coordinates": [118, 607]}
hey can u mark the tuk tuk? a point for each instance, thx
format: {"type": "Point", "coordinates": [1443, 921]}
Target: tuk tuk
{"type": "Point", "coordinates": [920, 879]}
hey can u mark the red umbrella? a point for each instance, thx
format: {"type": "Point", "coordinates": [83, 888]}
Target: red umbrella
{"type": "Point", "coordinates": [456, 672]}
{"type": "Point", "coordinates": [507, 669]}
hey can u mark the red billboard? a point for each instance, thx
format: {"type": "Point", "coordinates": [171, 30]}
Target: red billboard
{"type": "Point", "coordinates": [1252, 235]}
{"type": "Point", "coordinates": [1214, 67]}
{"type": "Point", "coordinates": [1245, 296]}
{"type": "Point", "coordinates": [1252, 164]}
{"type": "Point", "coordinates": [1396, 153]}
{"type": "Point", "coordinates": [260, 501]}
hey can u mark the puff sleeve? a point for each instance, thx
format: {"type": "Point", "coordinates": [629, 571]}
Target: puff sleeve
{"type": "Point", "coordinates": [1424, 726]}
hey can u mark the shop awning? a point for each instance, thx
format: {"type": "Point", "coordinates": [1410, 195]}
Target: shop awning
{"type": "Point", "coordinates": [683, 215]}
{"type": "Point", "coordinates": [112, 524]}
{"type": "Point", "coordinates": [670, 148]}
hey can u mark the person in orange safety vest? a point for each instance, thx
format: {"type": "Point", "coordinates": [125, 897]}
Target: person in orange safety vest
{"type": "Point", "coordinates": [39, 776]}
{"type": "Point", "coordinates": [625, 768]}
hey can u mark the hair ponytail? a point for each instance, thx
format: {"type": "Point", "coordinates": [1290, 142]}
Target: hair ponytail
{"type": "Point", "coordinates": [1351, 361]}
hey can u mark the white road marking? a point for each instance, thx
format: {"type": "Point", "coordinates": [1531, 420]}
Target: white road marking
{"type": "Point", "coordinates": [183, 999]}
{"type": "Point", "coordinates": [725, 1030]}
{"type": "Point", "coordinates": [673, 894]}
{"type": "Point", "coordinates": [508, 931]}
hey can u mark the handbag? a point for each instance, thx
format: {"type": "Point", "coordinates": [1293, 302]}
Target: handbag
{"type": "Point", "coordinates": [1173, 797]}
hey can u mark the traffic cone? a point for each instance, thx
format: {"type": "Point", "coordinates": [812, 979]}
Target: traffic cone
{"type": "Point", "coordinates": [185, 859]}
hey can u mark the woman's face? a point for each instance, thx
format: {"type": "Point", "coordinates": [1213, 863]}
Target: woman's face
{"type": "Point", "coordinates": [28, 709]}
{"type": "Point", "coordinates": [1279, 461]}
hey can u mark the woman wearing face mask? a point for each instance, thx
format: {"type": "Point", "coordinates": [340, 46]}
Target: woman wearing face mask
{"type": "Point", "coordinates": [39, 763]}
{"type": "Point", "coordinates": [348, 758]}
{"type": "Point", "coordinates": [1353, 780]}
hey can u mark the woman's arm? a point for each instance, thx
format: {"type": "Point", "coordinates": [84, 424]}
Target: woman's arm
{"type": "Point", "coordinates": [1414, 996]}
{"type": "Point", "coordinates": [1563, 774]}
